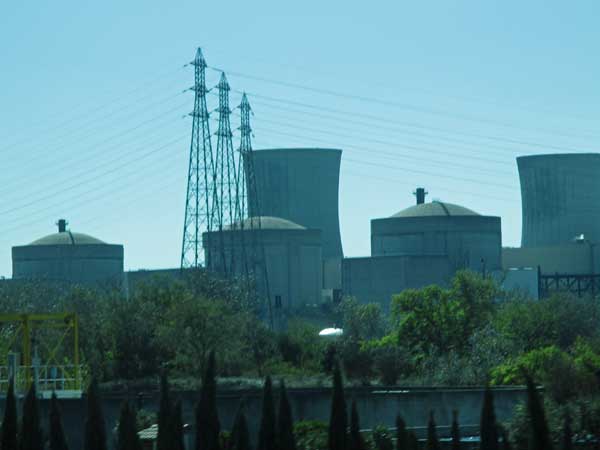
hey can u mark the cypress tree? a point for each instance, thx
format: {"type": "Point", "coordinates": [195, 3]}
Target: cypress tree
{"type": "Point", "coordinates": [31, 430]}
{"type": "Point", "coordinates": [165, 437]}
{"type": "Point", "coordinates": [57, 439]}
{"type": "Point", "coordinates": [207, 417]}
{"type": "Point", "coordinates": [455, 431]}
{"type": "Point", "coordinates": [356, 440]}
{"type": "Point", "coordinates": [402, 436]}
{"type": "Point", "coordinates": [413, 441]}
{"type": "Point", "coordinates": [432, 440]}
{"type": "Point", "coordinates": [8, 440]}
{"type": "Point", "coordinates": [285, 422]}
{"type": "Point", "coordinates": [539, 435]}
{"type": "Point", "coordinates": [267, 432]}
{"type": "Point", "coordinates": [240, 438]}
{"type": "Point", "coordinates": [338, 422]}
{"type": "Point", "coordinates": [177, 424]}
{"type": "Point", "coordinates": [505, 440]}
{"type": "Point", "coordinates": [567, 434]}
{"type": "Point", "coordinates": [488, 429]}
{"type": "Point", "coordinates": [95, 428]}
{"type": "Point", "coordinates": [127, 436]}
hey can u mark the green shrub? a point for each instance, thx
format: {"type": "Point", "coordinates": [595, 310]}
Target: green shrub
{"type": "Point", "coordinates": [382, 438]}
{"type": "Point", "coordinates": [311, 435]}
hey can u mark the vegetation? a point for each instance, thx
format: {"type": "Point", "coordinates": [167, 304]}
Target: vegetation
{"type": "Point", "coordinates": [9, 424]}
{"type": "Point", "coordinates": [57, 439]}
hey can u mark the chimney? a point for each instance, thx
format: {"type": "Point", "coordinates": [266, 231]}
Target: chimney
{"type": "Point", "coordinates": [62, 225]}
{"type": "Point", "coordinates": [420, 193]}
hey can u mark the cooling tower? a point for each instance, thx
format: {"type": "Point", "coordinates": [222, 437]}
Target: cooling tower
{"type": "Point", "coordinates": [560, 198]}
{"type": "Point", "coordinates": [301, 185]}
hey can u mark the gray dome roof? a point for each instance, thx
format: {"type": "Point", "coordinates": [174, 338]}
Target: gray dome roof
{"type": "Point", "coordinates": [68, 238]}
{"type": "Point", "coordinates": [267, 223]}
{"type": "Point", "coordinates": [435, 208]}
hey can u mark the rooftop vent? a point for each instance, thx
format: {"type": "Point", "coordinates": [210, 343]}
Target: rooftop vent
{"type": "Point", "coordinates": [62, 225]}
{"type": "Point", "coordinates": [420, 193]}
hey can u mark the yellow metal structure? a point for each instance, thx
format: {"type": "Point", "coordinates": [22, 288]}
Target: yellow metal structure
{"type": "Point", "coordinates": [51, 372]}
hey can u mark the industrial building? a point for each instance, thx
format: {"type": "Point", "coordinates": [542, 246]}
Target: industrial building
{"type": "Point", "coordinates": [67, 256]}
{"type": "Point", "coordinates": [291, 254]}
{"type": "Point", "coordinates": [298, 232]}
{"type": "Point", "coordinates": [302, 185]}
{"type": "Point", "coordinates": [421, 245]}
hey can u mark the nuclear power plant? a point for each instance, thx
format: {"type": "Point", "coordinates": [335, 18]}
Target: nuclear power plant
{"type": "Point", "coordinates": [272, 216]}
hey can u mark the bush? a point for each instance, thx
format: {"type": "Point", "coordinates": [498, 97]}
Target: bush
{"type": "Point", "coordinates": [382, 438]}
{"type": "Point", "coordinates": [311, 435]}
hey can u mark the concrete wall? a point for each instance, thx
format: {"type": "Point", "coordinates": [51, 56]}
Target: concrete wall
{"type": "Point", "coordinates": [293, 260]}
{"type": "Point", "coordinates": [302, 185]}
{"type": "Point", "coordinates": [81, 263]}
{"type": "Point", "coordinates": [570, 258]}
{"type": "Point", "coordinates": [376, 279]}
{"type": "Point", "coordinates": [376, 406]}
{"type": "Point", "coordinates": [466, 240]}
{"type": "Point", "coordinates": [560, 198]}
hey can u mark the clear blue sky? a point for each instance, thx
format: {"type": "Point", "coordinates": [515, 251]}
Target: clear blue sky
{"type": "Point", "coordinates": [437, 94]}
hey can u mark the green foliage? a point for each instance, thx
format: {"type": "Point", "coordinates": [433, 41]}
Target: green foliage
{"type": "Point", "coordinates": [57, 439]}
{"type": "Point", "coordinates": [267, 432]}
{"type": "Point", "coordinates": [565, 374]}
{"type": "Point", "coordinates": [559, 320]}
{"type": "Point", "coordinates": [338, 421]}
{"type": "Point", "coordinates": [285, 422]}
{"type": "Point", "coordinates": [382, 439]}
{"type": "Point", "coordinates": [311, 435]}
{"type": "Point", "coordinates": [434, 319]}
{"type": "Point", "coordinates": [8, 440]}
{"type": "Point", "coordinates": [95, 428]}
{"type": "Point", "coordinates": [31, 429]}
{"type": "Point", "coordinates": [567, 434]}
{"type": "Point", "coordinates": [390, 360]}
{"type": "Point", "coordinates": [362, 321]}
{"type": "Point", "coordinates": [207, 416]}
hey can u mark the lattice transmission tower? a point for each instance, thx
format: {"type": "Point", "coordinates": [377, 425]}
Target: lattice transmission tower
{"type": "Point", "coordinates": [199, 204]}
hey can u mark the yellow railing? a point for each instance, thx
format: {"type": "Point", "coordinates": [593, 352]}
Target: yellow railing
{"type": "Point", "coordinates": [46, 378]}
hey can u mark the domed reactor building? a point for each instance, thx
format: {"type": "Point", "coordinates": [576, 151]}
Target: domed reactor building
{"type": "Point", "coordinates": [421, 245]}
{"type": "Point", "coordinates": [70, 257]}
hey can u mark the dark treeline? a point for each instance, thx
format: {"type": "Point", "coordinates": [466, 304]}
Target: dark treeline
{"type": "Point", "coordinates": [277, 430]}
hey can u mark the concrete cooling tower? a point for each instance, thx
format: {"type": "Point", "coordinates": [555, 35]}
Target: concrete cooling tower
{"type": "Point", "coordinates": [301, 185]}
{"type": "Point", "coordinates": [560, 198]}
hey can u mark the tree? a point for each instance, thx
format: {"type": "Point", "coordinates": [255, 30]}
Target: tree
{"type": "Point", "coordinates": [455, 432]}
{"type": "Point", "coordinates": [505, 439]}
{"type": "Point", "coordinates": [402, 436]}
{"type": "Point", "coordinates": [488, 429]}
{"type": "Point", "coordinates": [356, 441]}
{"type": "Point", "coordinates": [8, 440]}
{"type": "Point", "coordinates": [433, 319]}
{"type": "Point", "coordinates": [166, 432]}
{"type": "Point", "coordinates": [127, 435]}
{"type": "Point", "coordinates": [413, 441]}
{"type": "Point", "coordinates": [58, 441]}
{"type": "Point", "coordinates": [539, 433]}
{"type": "Point", "coordinates": [567, 434]}
{"type": "Point", "coordinates": [267, 434]}
{"type": "Point", "coordinates": [285, 422]}
{"type": "Point", "coordinates": [31, 430]}
{"type": "Point", "coordinates": [207, 416]}
{"type": "Point", "coordinates": [177, 424]}
{"type": "Point", "coordinates": [432, 442]}
{"type": "Point", "coordinates": [338, 422]}
{"type": "Point", "coordinates": [95, 428]}
{"type": "Point", "coordinates": [240, 438]}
